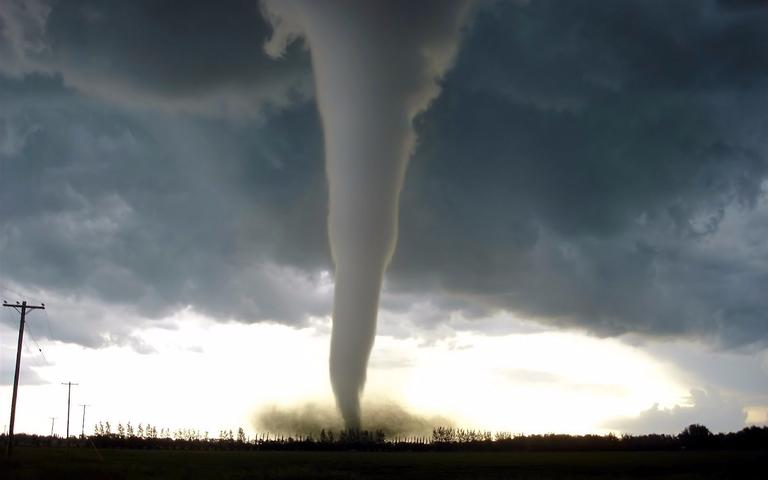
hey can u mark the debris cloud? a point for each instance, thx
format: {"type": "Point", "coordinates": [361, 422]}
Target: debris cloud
{"type": "Point", "coordinates": [311, 418]}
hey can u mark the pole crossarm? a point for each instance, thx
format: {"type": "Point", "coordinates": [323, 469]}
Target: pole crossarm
{"type": "Point", "coordinates": [24, 305]}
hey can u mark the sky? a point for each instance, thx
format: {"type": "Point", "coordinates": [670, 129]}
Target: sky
{"type": "Point", "coordinates": [583, 223]}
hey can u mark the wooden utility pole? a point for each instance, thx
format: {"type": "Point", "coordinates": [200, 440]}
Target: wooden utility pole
{"type": "Point", "coordinates": [53, 420]}
{"type": "Point", "coordinates": [82, 432]}
{"type": "Point", "coordinates": [69, 398]}
{"type": "Point", "coordinates": [22, 309]}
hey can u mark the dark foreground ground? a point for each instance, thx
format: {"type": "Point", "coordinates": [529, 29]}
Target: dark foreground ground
{"type": "Point", "coordinates": [53, 463]}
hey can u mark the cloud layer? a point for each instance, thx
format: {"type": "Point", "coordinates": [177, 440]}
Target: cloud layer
{"type": "Point", "coordinates": [706, 408]}
{"type": "Point", "coordinates": [178, 56]}
{"type": "Point", "coordinates": [588, 165]}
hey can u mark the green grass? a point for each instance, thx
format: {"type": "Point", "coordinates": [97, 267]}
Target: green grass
{"type": "Point", "coordinates": [51, 463]}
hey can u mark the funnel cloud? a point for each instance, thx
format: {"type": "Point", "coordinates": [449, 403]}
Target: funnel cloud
{"type": "Point", "coordinates": [376, 66]}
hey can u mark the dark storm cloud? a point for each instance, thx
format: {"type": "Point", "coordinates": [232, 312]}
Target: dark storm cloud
{"type": "Point", "coordinates": [581, 160]}
{"type": "Point", "coordinates": [191, 56]}
{"type": "Point", "coordinates": [598, 165]}
{"type": "Point", "coordinates": [157, 213]}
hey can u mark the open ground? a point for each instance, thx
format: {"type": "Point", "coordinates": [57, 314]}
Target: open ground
{"type": "Point", "coordinates": [47, 463]}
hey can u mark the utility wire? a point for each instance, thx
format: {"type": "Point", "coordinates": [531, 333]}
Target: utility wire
{"type": "Point", "coordinates": [4, 287]}
{"type": "Point", "coordinates": [31, 353]}
{"type": "Point", "coordinates": [37, 345]}
{"type": "Point", "coordinates": [48, 323]}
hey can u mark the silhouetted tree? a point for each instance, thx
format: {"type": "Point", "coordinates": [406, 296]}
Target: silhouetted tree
{"type": "Point", "coordinates": [695, 436]}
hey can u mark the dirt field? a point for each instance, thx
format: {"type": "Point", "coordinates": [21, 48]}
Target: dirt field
{"type": "Point", "coordinates": [50, 463]}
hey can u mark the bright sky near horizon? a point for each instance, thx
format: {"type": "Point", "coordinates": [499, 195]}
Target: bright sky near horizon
{"type": "Point", "coordinates": [201, 374]}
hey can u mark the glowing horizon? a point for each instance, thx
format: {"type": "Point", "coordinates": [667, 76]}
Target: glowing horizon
{"type": "Point", "coordinates": [509, 382]}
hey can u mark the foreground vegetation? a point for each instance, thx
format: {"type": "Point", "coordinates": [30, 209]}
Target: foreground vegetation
{"type": "Point", "coordinates": [447, 454]}
{"type": "Point", "coordinates": [693, 437]}
{"type": "Point", "coordinates": [81, 463]}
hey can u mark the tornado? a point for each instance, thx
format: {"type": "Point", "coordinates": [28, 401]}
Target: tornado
{"type": "Point", "coordinates": [376, 66]}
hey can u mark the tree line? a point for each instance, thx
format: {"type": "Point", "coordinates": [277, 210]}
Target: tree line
{"type": "Point", "coordinates": [146, 436]}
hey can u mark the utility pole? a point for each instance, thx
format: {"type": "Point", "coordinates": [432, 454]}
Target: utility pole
{"type": "Point", "coordinates": [82, 432]}
{"type": "Point", "coordinates": [22, 309]}
{"type": "Point", "coordinates": [53, 420]}
{"type": "Point", "coordinates": [69, 397]}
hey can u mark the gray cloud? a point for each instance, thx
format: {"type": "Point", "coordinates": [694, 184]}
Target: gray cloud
{"type": "Point", "coordinates": [719, 414]}
{"type": "Point", "coordinates": [175, 55]}
{"type": "Point", "coordinates": [580, 166]}
{"type": "Point", "coordinates": [22, 28]}
{"type": "Point", "coordinates": [741, 373]}
{"type": "Point", "coordinates": [32, 358]}
{"type": "Point", "coordinates": [587, 165]}
{"type": "Point", "coordinates": [27, 375]}
{"type": "Point", "coordinates": [535, 377]}
{"type": "Point", "coordinates": [153, 214]}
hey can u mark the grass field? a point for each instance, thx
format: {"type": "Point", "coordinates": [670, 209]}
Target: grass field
{"type": "Point", "coordinates": [51, 463]}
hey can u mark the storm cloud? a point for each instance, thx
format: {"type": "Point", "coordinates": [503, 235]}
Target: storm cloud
{"type": "Point", "coordinates": [598, 166]}
{"type": "Point", "coordinates": [178, 56]}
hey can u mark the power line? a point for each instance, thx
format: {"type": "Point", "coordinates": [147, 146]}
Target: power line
{"type": "Point", "coordinates": [48, 324]}
{"type": "Point", "coordinates": [4, 287]}
{"type": "Point", "coordinates": [31, 354]}
{"type": "Point", "coordinates": [10, 290]}
{"type": "Point", "coordinates": [37, 345]}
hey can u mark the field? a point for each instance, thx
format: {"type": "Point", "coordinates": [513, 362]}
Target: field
{"type": "Point", "coordinates": [54, 463]}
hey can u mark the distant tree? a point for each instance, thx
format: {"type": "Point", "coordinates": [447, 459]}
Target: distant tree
{"type": "Point", "coordinates": [140, 431]}
{"type": "Point", "coordinates": [129, 430]}
{"type": "Point", "coordinates": [443, 435]}
{"type": "Point", "coordinates": [695, 436]}
{"type": "Point", "coordinates": [120, 430]}
{"type": "Point", "coordinates": [107, 429]}
{"type": "Point", "coordinates": [240, 435]}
